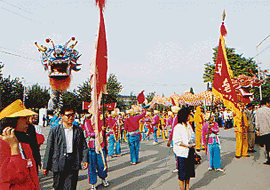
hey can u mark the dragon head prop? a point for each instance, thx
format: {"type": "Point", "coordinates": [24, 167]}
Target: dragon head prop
{"type": "Point", "coordinates": [243, 84]}
{"type": "Point", "coordinates": [59, 61]}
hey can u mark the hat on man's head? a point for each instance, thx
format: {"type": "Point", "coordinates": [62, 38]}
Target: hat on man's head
{"type": "Point", "coordinates": [113, 113]}
{"type": "Point", "coordinates": [175, 109]}
{"type": "Point", "coordinates": [131, 112]}
{"type": "Point", "coordinates": [156, 111]}
{"type": "Point", "coordinates": [170, 113]}
{"type": "Point", "coordinates": [16, 109]}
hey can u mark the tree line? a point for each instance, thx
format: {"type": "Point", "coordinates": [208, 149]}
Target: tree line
{"type": "Point", "coordinates": [37, 96]}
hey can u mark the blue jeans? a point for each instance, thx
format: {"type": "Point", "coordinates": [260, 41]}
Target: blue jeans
{"type": "Point", "coordinates": [134, 146]}
{"type": "Point", "coordinates": [213, 155]}
{"type": "Point", "coordinates": [145, 131]}
{"type": "Point", "coordinates": [155, 134]}
{"type": "Point", "coordinates": [96, 166]}
{"type": "Point", "coordinates": [113, 142]}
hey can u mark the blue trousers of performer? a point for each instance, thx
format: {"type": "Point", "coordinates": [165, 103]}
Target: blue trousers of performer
{"type": "Point", "coordinates": [213, 155]}
{"type": "Point", "coordinates": [145, 131]}
{"type": "Point", "coordinates": [155, 134]}
{"type": "Point", "coordinates": [113, 143]}
{"type": "Point", "coordinates": [96, 166]}
{"type": "Point", "coordinates": [134, 146]}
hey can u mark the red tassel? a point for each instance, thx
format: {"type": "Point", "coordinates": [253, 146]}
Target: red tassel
{"type": "Point", "coordinates": [223, 30]}
{"type": "Point", "coordinates": [101, 3]}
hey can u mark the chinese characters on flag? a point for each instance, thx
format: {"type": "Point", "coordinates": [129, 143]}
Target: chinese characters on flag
{"type": "Point", "coordinates": [222, 84]}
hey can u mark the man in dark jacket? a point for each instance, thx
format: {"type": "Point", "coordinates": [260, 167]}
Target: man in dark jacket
{"type": "Point", "coordinates": [66, 152]}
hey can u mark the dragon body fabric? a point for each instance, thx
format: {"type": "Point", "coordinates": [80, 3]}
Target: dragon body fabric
{"type": "Point", "coordinates": [59, 61]}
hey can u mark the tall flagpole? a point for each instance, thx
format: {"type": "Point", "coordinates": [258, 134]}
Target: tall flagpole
{"type": "Point", "coordinates": [23, 81]}
{"type": "Point", "coordinates": [104, 123]}
{"type": "Point", "coordinates": [212, 102]}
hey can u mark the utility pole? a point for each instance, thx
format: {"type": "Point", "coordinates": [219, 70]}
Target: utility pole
{"type": "Point", "coordinates": [259, 72]}
{"type": "Point", "coordinates": [23, 81]}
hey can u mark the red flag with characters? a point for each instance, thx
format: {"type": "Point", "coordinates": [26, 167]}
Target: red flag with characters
{"type": "Point", "coordinates": [222, 84]}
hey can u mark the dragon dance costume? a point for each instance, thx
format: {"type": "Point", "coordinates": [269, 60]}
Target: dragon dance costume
{"type": "Point", "coordinates": [96, 165]}
{"type": "Point", "coordinates": [241, 125]}
{"type": "Point", "coordinates": [212, 142]}
{"type": "Point", "coordinates": [148, 128]}
{"type": "Point", "coordinates": [198, 118]}
{"type": "Point", "coordinates": [155, 124]}
{"type": "Point", "coordinates": [114, 137]}
{"type": "Point", "coordinates": [132, 127]}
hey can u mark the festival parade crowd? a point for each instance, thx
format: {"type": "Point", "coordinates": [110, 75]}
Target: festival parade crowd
{"type": "Point", "coordinates": [72, 144]}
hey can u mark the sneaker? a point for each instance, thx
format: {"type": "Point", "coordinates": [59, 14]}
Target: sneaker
{"type": "Point", "coordinates": [210, 169]}
{"type": "Point", "coordinates": [133, 163]}
{"type": "Point", "coordinates": [220, 170]}
{"type": "Point", "coordinates": [175, 171]}
{"type": "Point", "coordinates": [93, 187]}
{"type": "Point", "coordinates": [105, 183]}
{"type": "Point", "coordinates": [155, 143]}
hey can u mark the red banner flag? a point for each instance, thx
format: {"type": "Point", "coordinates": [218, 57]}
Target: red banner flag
{"type": "Point", "coordinates": [110, 107]}
{"type": "Point", "coordinates": [85, 105]}
{"type": "Point", "coordinates": [222, 84]}
{"type": "Point", "coordinates": [140, 97]}
{"type": "Point", "coordinates": [99, 79]}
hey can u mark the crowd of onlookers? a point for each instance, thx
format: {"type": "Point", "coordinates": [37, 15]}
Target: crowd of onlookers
{"type": "Point", "coordinates": [71, 143]}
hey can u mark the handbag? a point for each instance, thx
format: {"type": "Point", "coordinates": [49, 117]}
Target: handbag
{"type": "Point", "coordinates": [197, 158]}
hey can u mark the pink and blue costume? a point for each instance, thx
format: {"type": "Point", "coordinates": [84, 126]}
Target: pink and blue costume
{"type": "Point", "coordinates": [96, 166]}
{"type": "Point", "coordinates": [132, 127]}
{"type": "Point", "coordinates": [155, 124]}
{"type": "Point", "coordinates": [213, 145]}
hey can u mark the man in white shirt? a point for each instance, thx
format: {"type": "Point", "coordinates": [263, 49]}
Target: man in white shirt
{"type": "Point", "coordinates": [228, 119]}
{"type": "Point", "coordinates": [66, 152]}
{"type": "Point", "coordinates": [262, 124]}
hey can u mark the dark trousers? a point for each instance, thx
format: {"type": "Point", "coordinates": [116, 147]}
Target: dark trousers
{"type": "Point", "coordinates": [265, 139]}
{"type": "Point", "coordinates": [67, 179]}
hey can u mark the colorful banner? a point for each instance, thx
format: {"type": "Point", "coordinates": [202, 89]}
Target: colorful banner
{"type": "Point", "coordinates": [222, 84]}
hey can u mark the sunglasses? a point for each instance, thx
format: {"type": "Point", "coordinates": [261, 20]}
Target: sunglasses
{"type": "Point", "coordinates": [70, 114]}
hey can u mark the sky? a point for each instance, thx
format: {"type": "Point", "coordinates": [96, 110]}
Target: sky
{"type": "Point", "coordinates": [153, 45]}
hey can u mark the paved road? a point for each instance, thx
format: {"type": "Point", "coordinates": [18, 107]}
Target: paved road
{"type": "Point", "coordinates": [155, 170]}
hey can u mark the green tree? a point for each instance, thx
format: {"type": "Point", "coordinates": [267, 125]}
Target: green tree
{"type": "Point", "coordinates": [11, 90]}
{"type": "Point", "coordinates": [114, 87]}
{"type": "Point", "coordinates": [72, 99]}
{"type": "Point", "coordinates": [239, 65]}
{"type": "Point", "coordinates": [84, 91]}
{"type": "Point", "coordinates": [37, 96]}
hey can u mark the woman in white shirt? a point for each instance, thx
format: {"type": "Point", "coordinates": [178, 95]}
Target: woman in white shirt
{"type": "Point", "coordinates": [183, 147]}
